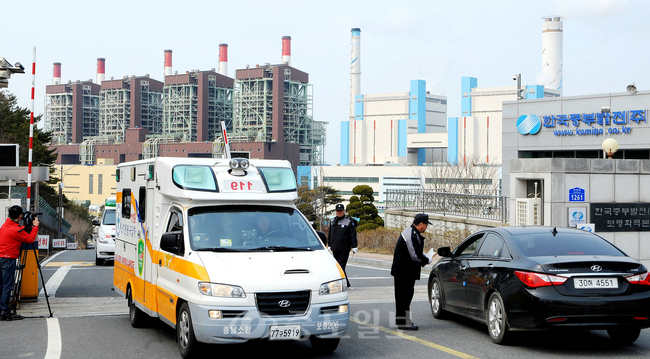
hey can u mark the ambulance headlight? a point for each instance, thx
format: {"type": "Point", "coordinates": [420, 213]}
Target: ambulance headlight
{"type": "Point", "coordinates": [336, 286]}
{"type": "Point", "coordinates": [221, 290]}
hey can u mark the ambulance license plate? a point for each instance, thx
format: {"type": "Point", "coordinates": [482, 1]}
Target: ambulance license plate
{"type": "Point", "coordinates": [284, 332]}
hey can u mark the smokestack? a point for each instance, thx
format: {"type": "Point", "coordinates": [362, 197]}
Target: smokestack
{"type": "Point", "coordinates": [552, 39]}
{"type": "Point", "coordinates": [223, 59]}
{"type": "Point", "coordinates": [101, 70]}
{"type": "Point", "coordinates": [168, 63]}
{"type": "Point", "coordinates": [57, 74]}
{"type": "Point", "coordinates": [355, 70]}
{"type": "Point", "coordinates": [286, 50]}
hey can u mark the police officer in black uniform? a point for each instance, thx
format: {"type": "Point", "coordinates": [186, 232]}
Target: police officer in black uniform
{"type": "Point", "coordinates": [408, 260]}
{"type": "Point", "coordinates": [342, 237]}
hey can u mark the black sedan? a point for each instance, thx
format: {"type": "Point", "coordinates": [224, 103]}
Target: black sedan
{"type": "Point", "coordinates": [542, 278]}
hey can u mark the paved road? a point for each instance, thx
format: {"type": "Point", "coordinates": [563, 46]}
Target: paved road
{"type": "Point", "coordinates": [90, 321]}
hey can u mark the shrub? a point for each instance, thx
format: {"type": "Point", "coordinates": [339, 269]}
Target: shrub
{"type": "Point", "coordinates": [382, 239]}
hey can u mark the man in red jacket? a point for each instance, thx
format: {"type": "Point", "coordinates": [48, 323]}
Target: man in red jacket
{"type": "Point", "coordinates": [12, 235]}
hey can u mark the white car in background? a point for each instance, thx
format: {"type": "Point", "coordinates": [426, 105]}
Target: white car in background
{"type": "Point", "coordinates": [105, 241]}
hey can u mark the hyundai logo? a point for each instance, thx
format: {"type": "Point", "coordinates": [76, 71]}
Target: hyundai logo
{"type": "Point", "coordinates": [528, 124]}
{"type": "Point", "coordinates": [596, 268]}
{"type": "Point", "coordinates": [284, 303]}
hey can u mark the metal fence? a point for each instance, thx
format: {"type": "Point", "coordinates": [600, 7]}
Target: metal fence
{"type": "Point", "coordinates": [456, 204]}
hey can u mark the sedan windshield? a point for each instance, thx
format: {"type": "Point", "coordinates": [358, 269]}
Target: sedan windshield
{"type": "Point", "coordinates": [250, 228]}
{"type": "Point", "coordinates": [565, 243]}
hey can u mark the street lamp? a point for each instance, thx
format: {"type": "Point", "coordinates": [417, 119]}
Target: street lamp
{"type": "Point", "coordinates": [610, 146]}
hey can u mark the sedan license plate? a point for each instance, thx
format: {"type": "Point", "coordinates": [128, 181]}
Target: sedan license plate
{"type": "Point", "coordinates": [284, 332]}
{"type": "Point", "coordinates": [595, 283]}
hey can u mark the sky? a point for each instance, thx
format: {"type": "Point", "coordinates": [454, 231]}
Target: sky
{"type": "Point", "coordinates": [439, 41]}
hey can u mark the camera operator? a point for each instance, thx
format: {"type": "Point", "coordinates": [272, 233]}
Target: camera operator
{"type": "Point", "coordinates": [12, 235]}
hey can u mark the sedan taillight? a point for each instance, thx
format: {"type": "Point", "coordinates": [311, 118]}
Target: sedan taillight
{"type": "Point", "coordinates": [535, 280]}
{"type": "Point", "coordinates": [641, 279]}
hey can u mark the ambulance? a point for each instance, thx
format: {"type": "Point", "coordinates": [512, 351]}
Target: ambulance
{"type": "Point", "coordinates": [216, 249]}
{"type": "Point", "coordinates": [105, 240]}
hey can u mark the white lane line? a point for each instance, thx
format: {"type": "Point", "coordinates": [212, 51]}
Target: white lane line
{"type": "Point", "coordinates": [53, 339]}
{"type": "Point", "coordinates": [55, 281]}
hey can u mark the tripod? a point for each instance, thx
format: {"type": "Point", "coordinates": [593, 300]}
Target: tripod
{"type": "Point", "coordinates": [15, 294]}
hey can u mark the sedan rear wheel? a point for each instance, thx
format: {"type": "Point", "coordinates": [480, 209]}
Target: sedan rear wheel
{"type": "Point", "coordinates": [435, 299]}
{"type": "Point", "coordinates": [496, 318]}
{"type": "Point", "coordinates": [624, 335]}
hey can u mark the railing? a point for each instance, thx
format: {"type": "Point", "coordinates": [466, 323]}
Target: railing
{"type": "Point", "coordinates": [456, 204]}
{"type": "Point", "coordinates": [49, 217]}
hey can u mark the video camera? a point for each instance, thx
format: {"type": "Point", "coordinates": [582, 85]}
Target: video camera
{"type": "Point", "coordinates": [28, 218]}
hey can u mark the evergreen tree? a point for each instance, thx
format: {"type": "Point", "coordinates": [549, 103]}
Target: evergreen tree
{"type": "Point", "coordinates": [362, 206]}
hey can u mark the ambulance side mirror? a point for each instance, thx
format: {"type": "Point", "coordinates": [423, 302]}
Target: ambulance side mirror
{"type": "Point", "coordinates": [172, 242]}
{"type": "Point", "coordinates": [96, 222]}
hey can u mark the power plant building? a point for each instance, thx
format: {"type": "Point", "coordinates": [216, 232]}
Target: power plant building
{"type": "Point", "coordinates": [267, 111]}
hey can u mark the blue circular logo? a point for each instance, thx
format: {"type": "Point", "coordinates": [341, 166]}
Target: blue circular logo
{"type": "Point", "coordinates": [577, 215]}
{"type": "Point", "coordinates": [529, 124]}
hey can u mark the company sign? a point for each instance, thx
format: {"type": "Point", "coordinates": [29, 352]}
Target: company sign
{"type": "Point", "coordinates": [584, 124]}
{"type": "Point", "coordinates": [577, 216]}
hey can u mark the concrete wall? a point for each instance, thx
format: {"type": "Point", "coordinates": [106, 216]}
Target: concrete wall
{"type": "Point", "coordinates": [401, 219]}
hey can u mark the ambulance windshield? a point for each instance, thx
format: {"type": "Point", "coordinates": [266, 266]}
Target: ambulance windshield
{"type": "Point", "coordinates": [250, 228]}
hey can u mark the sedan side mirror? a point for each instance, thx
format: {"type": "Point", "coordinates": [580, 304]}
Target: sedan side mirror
{"type": "Point", "coordinates": [444, 252]}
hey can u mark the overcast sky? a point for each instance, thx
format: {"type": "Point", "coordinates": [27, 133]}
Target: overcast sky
{"type": "Point", "coordinates": [605, 44]}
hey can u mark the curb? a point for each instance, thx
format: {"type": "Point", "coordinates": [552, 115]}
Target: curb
{"type": "Point", "coordinates": [382, 263]}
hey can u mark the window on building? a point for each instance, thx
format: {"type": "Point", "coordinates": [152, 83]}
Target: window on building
{"type": "Point", "coordinates": [90, 183]}
{"type": "Point", "coordinates": [100, 183]}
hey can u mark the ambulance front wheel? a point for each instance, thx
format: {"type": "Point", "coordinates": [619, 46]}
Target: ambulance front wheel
{"type": "Point", "coordinates": [187, 343]}
{"type": "Point", "coordinates": [137, 317]}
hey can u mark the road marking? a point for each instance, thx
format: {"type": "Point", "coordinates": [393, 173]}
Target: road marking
{"type": "Point", "coordinates": [61, 264]}
{"type": "Point", "coordinates": [53, 339]}
{"type": "Point", "coordinates": [53, 283]}
{"type": "Point", "coordinates": [415, 339]}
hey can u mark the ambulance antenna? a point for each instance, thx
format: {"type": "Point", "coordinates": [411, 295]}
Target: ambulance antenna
{"type": "Point", "coordinates": [226, 144]}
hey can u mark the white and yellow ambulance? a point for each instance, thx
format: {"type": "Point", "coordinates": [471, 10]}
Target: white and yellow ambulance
{"type": "Point", "coordinates": [217, 249]}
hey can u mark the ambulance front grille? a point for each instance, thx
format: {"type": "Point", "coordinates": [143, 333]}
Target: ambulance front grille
{"type": "Point", "coordinates": [283, 303]}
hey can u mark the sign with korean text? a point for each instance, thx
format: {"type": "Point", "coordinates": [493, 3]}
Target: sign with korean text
{"type": "Point", "coordinates": [72, 245]}
{"type": "Point", "coordinates": [576, 194]}
{"type": "Point", "coordinates": [620, 217]}
{"type": "Point", "coordinates": [589, 227]}
{"type": "Point", "coordinates": [591, 124]}
{"type": "Point", "coordinates": [58, 243]}
{"type": "Point", "coordinates": [43, 241]}
{"type": "Point", "coordinates": [577, 216]}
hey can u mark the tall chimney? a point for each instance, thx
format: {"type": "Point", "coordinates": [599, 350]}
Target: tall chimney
{"type": "Point", "coordinates": [286, 50]}
{"type": "Point", "coordinates": [552, 39]}
{"type": "Point", "coordinates": [355, 70]}
{"type": "Point", "coordinates": [223, 59]}
{"type": "Point", "coordinates": [168, 63]}
{"type": "Point", "coordinates": [57, 74]}
{"type": "Point", "coordinates": [101, 70]}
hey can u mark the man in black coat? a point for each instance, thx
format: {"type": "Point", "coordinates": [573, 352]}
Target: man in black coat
{"type": "Point", "coordinates": [408, 260]}
{"type": "Point", "coordinates": [342, 237]}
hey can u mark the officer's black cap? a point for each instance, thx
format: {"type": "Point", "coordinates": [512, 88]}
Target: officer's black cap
{"type": "Point", "coordinates": [421, 218]}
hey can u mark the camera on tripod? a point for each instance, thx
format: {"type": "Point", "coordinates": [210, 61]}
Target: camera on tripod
{"type": "Point", "coordinates": [28, 218]}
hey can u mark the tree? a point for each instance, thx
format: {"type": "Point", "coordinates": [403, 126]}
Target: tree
{"type": "Point", "coordinates": [14, 128]}
{"type": "Point", "coordinates": [314, 203]}
{"type": "Point", "coordinates": [471, 176]}
{"type": "Point", "coordinates": [362, 206]}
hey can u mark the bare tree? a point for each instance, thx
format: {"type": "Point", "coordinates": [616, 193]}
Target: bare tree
{"type": "Point", "coordinates": [471, 176]}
